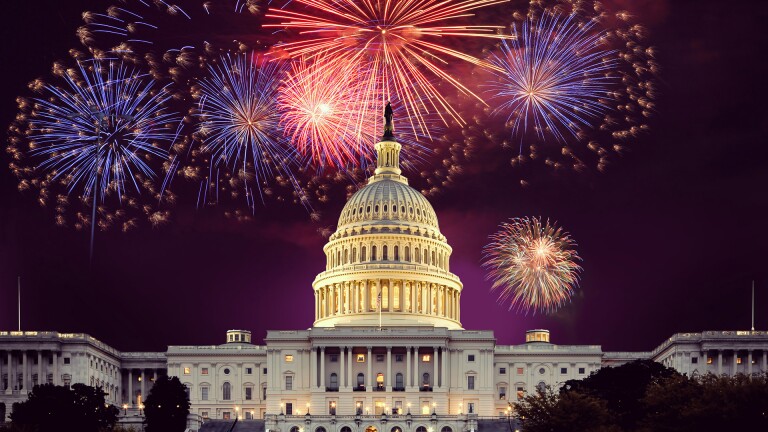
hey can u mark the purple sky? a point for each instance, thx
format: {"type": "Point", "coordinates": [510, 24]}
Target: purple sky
{"type": "Point", "coordinates": [671, 236]}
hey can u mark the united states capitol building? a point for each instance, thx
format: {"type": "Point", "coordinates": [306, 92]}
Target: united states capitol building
{"type": "Point", "coordinates": [386, 353]}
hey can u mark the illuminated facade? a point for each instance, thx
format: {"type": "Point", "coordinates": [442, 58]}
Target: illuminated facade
{"type": "Point", "coordinates": [386, 353]}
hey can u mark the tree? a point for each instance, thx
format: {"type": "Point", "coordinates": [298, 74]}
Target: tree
{"type": "Point", "coordinates": [707, 403]}
{"type": "Point", "coordinates": [50, 407]}
{"type": "Point", "coordinates": [547, 411]}
{"type": "Point", "coordinates": [622, 387]}
{"type": "Point", "coordinates": [167, 406]}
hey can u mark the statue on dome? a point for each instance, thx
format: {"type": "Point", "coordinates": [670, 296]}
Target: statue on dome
{"type": "Point", "coordinates": [388, 127]}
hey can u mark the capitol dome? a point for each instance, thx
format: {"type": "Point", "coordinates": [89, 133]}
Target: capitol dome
{"type": "Point", "coordinates": [387, 262]}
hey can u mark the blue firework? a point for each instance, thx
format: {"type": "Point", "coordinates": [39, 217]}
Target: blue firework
{"type": "Point", "coordinates": [241, 142]}
{"type": "Point", "coordinates": [102, 131]}
{"type": "Point", "coordinates": [556, 75]}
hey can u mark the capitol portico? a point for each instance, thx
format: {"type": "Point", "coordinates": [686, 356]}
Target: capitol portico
{"type": "Point", "coordinates": [387, 351]}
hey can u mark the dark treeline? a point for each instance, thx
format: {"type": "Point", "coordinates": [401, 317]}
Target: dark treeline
{"type": "Point", "coordinates": [645, 396]}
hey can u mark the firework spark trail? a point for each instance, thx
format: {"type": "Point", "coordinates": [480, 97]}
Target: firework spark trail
{"type": "Point", "coordinates": [532, 265]}
{"type": "Point", "coordinates": [394, 45]}
{"type": "Point", "coordinates": [239, 124]}
{"type": "Point", "coordinates": [555, 75]}
{"type": "Point", "coordinates": [101, 126]}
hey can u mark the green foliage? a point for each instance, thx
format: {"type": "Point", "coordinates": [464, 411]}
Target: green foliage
{"type": "Point", "coordinates": [167, 406]}
{"type": "Point", "coordinates": [622, 387]}
{"type": "Point", "coordinates": [52, 408]}
{"type": "Point", "coordinates": [645, 397]}
{"type": "Point", "coordinates": [707, 403]}
{"type": "Point", "coordinates": [548, 411]}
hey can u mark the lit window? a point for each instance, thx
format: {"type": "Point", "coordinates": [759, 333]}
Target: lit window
{"type": "Point", "coordinates": [738, 360]}
{"type": "Point", "coordinates": [225, 415]}
{"type": "Point", "coordinates": [204, 371]}
{"type": "Point", "coordinates": [426, 358]}
{"type": "Point", "coordinates": [288, 358]}
{"type": "Point", "coordinates": [519, 371]}
{"type": "Point", "coordinates": [520, 392]}
{"type": "Point", "coordinates": [204, 414]}
{"type": "Point", "coordinates": [502, 393]}
{"type": "Point", "coordinates": [187, 371]}
{"type": "Point", "coordinates": [361, 358]}
{"type": "Point", "coordinates": [709, 360]}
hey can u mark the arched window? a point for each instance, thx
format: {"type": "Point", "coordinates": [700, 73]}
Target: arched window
{"type": "Point", "coordinates": [407, 254]}
{"type": "Point", "coordinates": [226, 391]}
{"type": "Point", "coordinates": [338, 257]}
{"type": "Point", "coordinates": [422, 428]}
{"type": "Point", "coordinates": [433, 257]}
{"type": "Point", "coordinates": [320, 429]}
{"type": "Point", "coordinates": [418, 257]}
{"type": "Point", "coordinates": [373, 253]}
{"type": "Point", "coordinates": [541, 387]}
{"type": "Point", "coordinates": [334, 381]}
{"type": "Point", "coordinates": [446, 429]}
{"type": "Point", "coordinates": [385, 254]}
{"type": "Point", "coordinates": [396, 429]}
{"type": "Point", "coordinates": [425, 380]}
{"type": "Point", "coordinates": [346, 256]}
{"type": "Point", "coordinates": [380, 380]}
{"type": "Point", "coordinates": [362, 254]}
{"type": "Point", "coordinates": [360, 380]}
{"type": "Point", "coordinates": [397, 254]}
{"type": "Point", "coordinates": [295, 429]}
{"type": "Point", "coordinates": [354, 254]}
{"type": "Point", "coordinates": [346, 429]}
{"type": "Point", "coordinates": [425, 260]}
{"type": "Point", "coordinates": [399, 381]}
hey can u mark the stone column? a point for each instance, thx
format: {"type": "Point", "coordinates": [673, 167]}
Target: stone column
{"type": "Point", "coordinates": [389, 369]}
{"type": "Point", "coordinates": [11, 375]}
{"type": "Point", "coordinates": [342, 375]}
{"type": "Point", "coordinates": [349, 369]}
{"type": "Point", "coordinates": [735, 366]}
{"type": "Point", "coordinates": [434, 367]}
{"type": "Point", "coordinates": [442, 368]}
{"type": "Point", "coordinates": [143, 380]}
{"type": "Point", "coordinates": [40, 380]}
{"type": "Point", "coordinates": [313, 367]}
{"type": "Point", "coordinates": [719, 362]}
{"type": "Point", "coordinates": [24, 367]}
{"type": "Point", "coordinates": [765, 361]}
{"type": "Point", "coordinates": [749, 363]}
{"type": "Point", "coordinates": [130, 387]}
{"type": "Point", "coordinates": [322, 368]}
{"type": "Point", "coordinates": [371, 380]}
{"type": "Point", "coordinates": [416, 376]}
{"type": "Point", "coordinates": [408, 373]}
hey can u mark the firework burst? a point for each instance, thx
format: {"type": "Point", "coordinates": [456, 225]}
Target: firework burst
{"type": "Point", "coordinates": [557, 76]}
{"type": "Point", "coordinates": [241, 148]}
{"type": "Point", "coordinates": [532, 265]}
{"type": "Point", "coordinates": [102, 137]}
{"type": "Point", "coordinates": [395, 47]}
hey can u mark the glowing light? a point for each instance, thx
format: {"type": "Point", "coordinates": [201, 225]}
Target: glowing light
{"type": "Point", "coordinates": [532, 264]}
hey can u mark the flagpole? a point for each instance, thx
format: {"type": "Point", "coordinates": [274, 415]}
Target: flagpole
{"type": "Point", "coordinates": [19, 293]}
{"type": "Point", "coordinates": [753, 305]}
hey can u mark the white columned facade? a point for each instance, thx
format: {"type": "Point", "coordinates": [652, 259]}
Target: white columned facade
{"type": "Point", "coordinates": [313, 368]}
{"type": "Point", "coordinates": [130, 386]}
{"type": "Point", "coordinates": [389, 366]}
{"type": "Point", "coordinates": [322, 368]}
{"type": "Point", "coordinates": [24, 367]}
{"type": "Point", "coordinates": [408, 374]}
{"type": "Point", "coordinates": [342, 374]}
{"type": "Point", "coordinates": [370, 379]}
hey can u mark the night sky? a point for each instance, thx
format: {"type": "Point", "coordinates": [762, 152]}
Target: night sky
{"type": "Point", "coordinates": [671, 235]}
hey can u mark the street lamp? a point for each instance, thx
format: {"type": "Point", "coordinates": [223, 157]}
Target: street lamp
{"type": "Point", "coordinates": [461, 407]}
{"type": "Point", "coordinates": [125, 409]}
{"type": "Point", "coordinates": [434, 407]}
{"type": "Point", "coordinates": [409, 407]}
{"type": "Point", "coordinates": [307, 408]}
{"type": "Point", "coordinates": [281, 408]}
{"type": "Point", "coordinates": [141, 409]}
{"type": "Point", "coordinates": [237, 412]}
